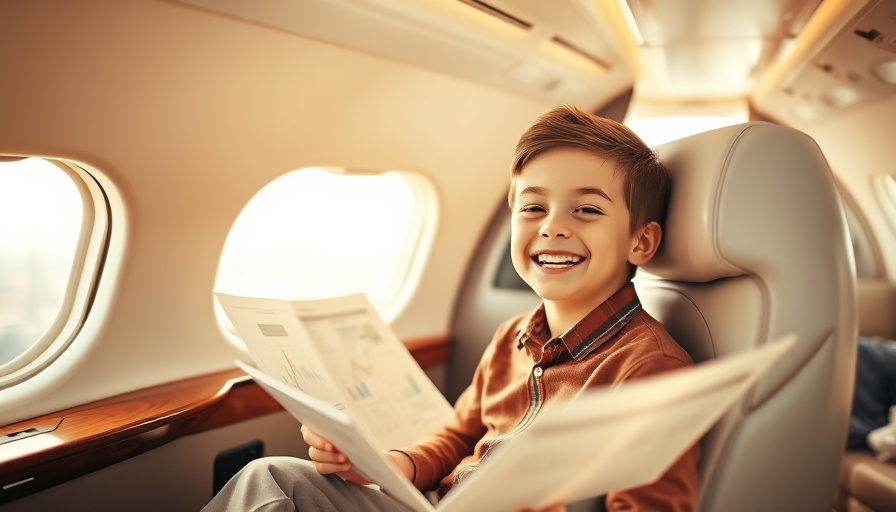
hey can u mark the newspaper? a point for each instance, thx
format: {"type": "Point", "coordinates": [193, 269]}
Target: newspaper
{"type": "Point", "coordinates": [341, 352]}
{"type": "Point", "coordinates": [335, 366]}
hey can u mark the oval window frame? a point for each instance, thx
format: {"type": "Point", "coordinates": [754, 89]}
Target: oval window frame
{"type": "Point", "coordinates": [87, 265]}
{"type": "Point", "coordinates": [422, 232]}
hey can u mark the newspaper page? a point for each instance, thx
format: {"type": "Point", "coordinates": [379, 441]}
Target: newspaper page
{"type": "Point", "coordinates": [611, 438]}
{"type": "Point", "coordinates": [279, 346]}
{"type": "Point", "coordinates": [603, 440]}
{"type": "Point", "coordinates": [340, 351]}
{"type": "Point", "coordinates": [337, 426]}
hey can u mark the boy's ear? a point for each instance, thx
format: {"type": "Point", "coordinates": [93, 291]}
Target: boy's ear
{"type": "Point", "coordinates": [646, 242]}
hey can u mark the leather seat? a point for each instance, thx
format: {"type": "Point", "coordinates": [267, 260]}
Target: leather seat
{"type": "Point", "coordinates": [755, 247]}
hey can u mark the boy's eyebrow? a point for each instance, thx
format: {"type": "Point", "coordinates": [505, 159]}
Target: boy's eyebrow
{"type": "Point", "coordinates": [594, 190]}
{"type": "Point", "coordinates": [580, 191]}
{"type": "Point", "coordinates": [532, 190]}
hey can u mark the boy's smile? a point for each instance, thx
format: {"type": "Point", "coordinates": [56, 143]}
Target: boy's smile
{"type": "Point", "coordinates": [557, 261]}
{"type": "Point", "coordinates": [570, 238]}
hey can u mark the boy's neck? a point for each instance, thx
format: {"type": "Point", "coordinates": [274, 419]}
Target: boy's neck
{"type": "Point", "coordinates": [562, 317]}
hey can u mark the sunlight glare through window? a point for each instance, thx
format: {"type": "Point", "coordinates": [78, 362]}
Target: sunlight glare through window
{"type": "Point", "coordinates": [316, 233]}
{"type": "Point", "coordinates": [40, 222]}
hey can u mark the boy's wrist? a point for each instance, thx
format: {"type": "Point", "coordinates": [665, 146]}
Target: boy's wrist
{"type": "Point", "coordinates": [405, 463]}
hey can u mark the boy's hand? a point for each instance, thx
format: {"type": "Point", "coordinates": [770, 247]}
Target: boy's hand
{"type": "Point", "coordinates": [329, 460]}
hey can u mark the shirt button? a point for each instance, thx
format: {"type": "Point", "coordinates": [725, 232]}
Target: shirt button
{"type": "Point", "coordinates": [537, 371]}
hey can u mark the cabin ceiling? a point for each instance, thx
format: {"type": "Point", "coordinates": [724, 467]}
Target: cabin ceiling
{"type": "Point", "coordinates": [553, 51]}
{"type": "Point", "coordinates": [589, 52]}
{"type": "Point", "coordinates": [850, 66]}
{"type": "Point", "coordinates": [705, 49]}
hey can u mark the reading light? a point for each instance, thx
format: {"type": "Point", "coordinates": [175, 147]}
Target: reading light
{"type": "Point", "coordinates": [840, 97]}
{"type": "Point", "coordinates": [805, 111]}
{"type": "Point", "coordinates": [528, 71]}
{"type": "Point", "coordinates": [885, 71]}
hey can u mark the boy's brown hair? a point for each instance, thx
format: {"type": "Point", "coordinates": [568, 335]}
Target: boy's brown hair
{"type": "Point", "coordinates": [645, 178]}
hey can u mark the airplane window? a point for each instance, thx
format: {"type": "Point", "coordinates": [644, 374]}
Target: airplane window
{"type": "Point", "coordinates": [659, 130]}
{"type": "Point", "coordinates": [506, 277]}
{"type": "Point", "coordinates": [885, 187]}
{"type": "Point", "coordinates": [48, 224]}
{"type": "Point", "coordinates": [319, 232]}
{"type": "Point", "coordinates": [866, 253]}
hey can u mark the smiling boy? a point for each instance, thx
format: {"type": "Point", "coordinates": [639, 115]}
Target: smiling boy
{"type": "Point", "coordinates": [587, 199]}
{"type": "Point", "coordinates": [572, 239]}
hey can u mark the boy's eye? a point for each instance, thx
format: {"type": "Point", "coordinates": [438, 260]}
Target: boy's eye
{"type": "Point", "coordinates": [531, 208]}
{"type": "Point", "coordinates": [589, 210]}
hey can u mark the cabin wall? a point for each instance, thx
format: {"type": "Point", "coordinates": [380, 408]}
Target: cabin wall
{"type": "Point", "coordinates": [152, 482]}
{"type": "Point", "coordinates": [857, 152]}
{"type": "Point", "coordinates": [197, 112]}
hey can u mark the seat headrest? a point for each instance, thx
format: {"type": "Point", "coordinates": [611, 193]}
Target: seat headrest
{"type": "Point", "coordinates": [739, 194]}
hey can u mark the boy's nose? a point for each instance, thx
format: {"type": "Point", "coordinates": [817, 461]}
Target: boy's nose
{"type": "Point", "coordinates": [554, 229]}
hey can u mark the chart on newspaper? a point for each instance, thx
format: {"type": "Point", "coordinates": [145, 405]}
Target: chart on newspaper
{"type": "Point", "coordinates": [384, 385]}
{"type": "Point", "coordinates": [340, 348]}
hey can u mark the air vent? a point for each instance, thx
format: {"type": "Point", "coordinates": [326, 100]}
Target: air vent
{"type": "Point", "coordinates": [497, 13]}
{"type": "Point", "coordinates": [575, 49]}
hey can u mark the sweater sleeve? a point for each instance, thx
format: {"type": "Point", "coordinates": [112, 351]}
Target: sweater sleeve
{"type": "Point", "coordinates": [676, 490]}
{"type": "Point", "coordinates": [436, 455]}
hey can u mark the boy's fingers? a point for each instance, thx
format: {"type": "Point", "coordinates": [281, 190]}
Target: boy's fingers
{"type": "Point", "coordinates": [326, 468]}
{"type": "Point", "coordinates": [327, 462]}
{"type": "Point", "coordinates": [313, 439]}
{"type": "Point", "coordinates": [354, 478]}
{"type": "Point", "coordinates": [326, 456]}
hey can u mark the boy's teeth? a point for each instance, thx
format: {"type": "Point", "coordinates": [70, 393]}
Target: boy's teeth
{"type": "Point", "coordinates": [557, 259]}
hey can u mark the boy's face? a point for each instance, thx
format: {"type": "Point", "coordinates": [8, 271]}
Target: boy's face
{"type": "Point", "coordinates": [570, 236]}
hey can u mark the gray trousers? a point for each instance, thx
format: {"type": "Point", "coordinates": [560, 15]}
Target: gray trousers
{"type": "Point", "coordinates": [286, 484]}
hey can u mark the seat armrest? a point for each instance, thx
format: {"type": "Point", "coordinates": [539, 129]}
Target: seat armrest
{"type": "Point", "coordinates": [866, 480]}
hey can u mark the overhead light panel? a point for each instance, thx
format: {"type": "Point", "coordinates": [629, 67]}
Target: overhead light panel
{"type": "Point", "coordinates": [563, 43]}
{"type": "Point", "coordinates": [885, 71]}
{"type": "Point", "coordinates": [840, 97]}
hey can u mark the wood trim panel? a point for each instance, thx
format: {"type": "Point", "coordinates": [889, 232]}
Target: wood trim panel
{"type": "Point", "coordinates": [95, 435]}
{"type": "Point", "coordinates": [429, 352]}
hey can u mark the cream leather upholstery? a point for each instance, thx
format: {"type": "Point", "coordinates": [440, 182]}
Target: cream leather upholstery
{"type": "Point", "coordinates": [756, 246]}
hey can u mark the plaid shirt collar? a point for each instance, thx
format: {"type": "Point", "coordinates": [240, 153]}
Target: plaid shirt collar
{"type": "Point", "coordinates": [590, 332]}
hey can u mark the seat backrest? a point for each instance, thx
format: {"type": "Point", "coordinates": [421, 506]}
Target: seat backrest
{"type": "Point", "coordinates": [756, 246]}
